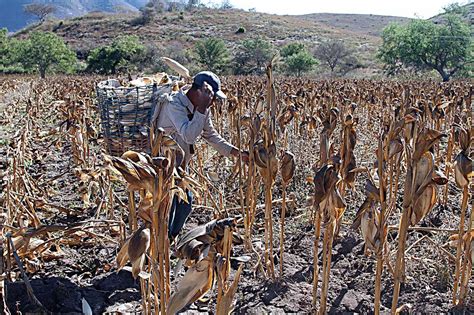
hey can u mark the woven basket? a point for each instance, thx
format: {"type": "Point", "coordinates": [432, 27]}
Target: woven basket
{"type": "Point", "coordinates": [125, 114]}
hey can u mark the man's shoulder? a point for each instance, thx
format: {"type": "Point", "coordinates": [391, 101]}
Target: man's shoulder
{"type": "Point", "coordinates": [176, 99]}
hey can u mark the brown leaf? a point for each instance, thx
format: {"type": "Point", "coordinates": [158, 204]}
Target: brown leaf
{"type": "Point", "coordinates": [463, 169]}
{"type": "Point", "coordinates": [358, 217]}
{"type": "Point", "coordinates": [122, 256]}
{"type": "Point", "coordinates": [287, 166]}
{"type": "Point", "coordinates": [426, 139]}
{"type": "Point", "coordinates": [138, 243]}
{"type": "Point", "coordinates": [395, 148]}
{"type": "Point", "coordinates": [369, 227]}
{"type": "Point", "coordinates": [194, 284]}
{"type": "Point", "coordinates": [225, 305]}
{"type": "Point", "coordinates": [423, 168]}
{"type": "Point", "coordinates": [423, 204]}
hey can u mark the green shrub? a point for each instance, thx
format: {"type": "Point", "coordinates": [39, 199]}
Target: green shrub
{"type": "Point", "coordinates": [212, 54]}
{"type": "Point", "coordinates": [252, 56]}
{"type": "Point", "coordinates": [297, 59]}
{"type": "Point", "coordinates": [118, 56]}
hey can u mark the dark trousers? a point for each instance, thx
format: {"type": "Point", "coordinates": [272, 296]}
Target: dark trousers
{"type": "Point", "coordinates": [179, 213]}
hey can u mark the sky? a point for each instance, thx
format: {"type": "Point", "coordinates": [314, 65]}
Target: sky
{"type": "Point", "coordinates": [407, 8]}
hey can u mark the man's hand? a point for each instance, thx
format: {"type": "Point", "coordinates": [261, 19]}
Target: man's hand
{"type": "Point", "coordinates": [206, 98]}
{"type": "Point", "coordinates": [245, 155]}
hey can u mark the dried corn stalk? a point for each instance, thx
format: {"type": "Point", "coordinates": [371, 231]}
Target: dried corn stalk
{"type": "Point", "coordinates": [156, 176]}
{"type": "Point", "coordinates": [329, 208]}
{"type": "Point", "coordinates": [254, 126]}
{"type": "Point", "coordinates": [267, 162]}
{"type": "Point", "coordinates": [206, 249]}
{"type": "Point", "coordinates": [393, 156]}
{"type": "Point", "coordinates": [367, 218]}
{"type": "Point", "coordinates": [287, 169]}
{"type": "Point", "coordinates": [419, 194]}
{"type": "Point", "coordinates": [372, 221]}
{"type": "Point", "coordinates": [347, 152]}
{"type": "Point", "coordinates": [463, 171]}
{"type": "Point", "coordinates": [467, 247]}
{"type": "Point", "coordinates": [329, 121]}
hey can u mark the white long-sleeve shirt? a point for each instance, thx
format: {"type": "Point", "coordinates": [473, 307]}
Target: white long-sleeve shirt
{"type": "Point", "coordinates": [173, 118]}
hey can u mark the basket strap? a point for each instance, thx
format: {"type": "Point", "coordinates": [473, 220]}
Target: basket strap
{"type": "Point", "coordinates": [158, 106]}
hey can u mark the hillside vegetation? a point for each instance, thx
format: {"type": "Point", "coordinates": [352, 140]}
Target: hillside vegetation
{"type": "Point", "coordinates": [175, 33]}
{"type": "Point", "coordinates": [180, 31]}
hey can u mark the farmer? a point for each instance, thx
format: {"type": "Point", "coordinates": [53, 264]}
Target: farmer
{"type": "Point", "coordinates": [185, 117]}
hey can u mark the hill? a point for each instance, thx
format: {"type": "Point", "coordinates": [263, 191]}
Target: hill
{"type": "Point", "coordinates": [13, 18]}
{"type": "Point", "coordinates": [469, 14]}
{"type": "Point", "coordinates": [367, 24]}
{"type": "Point", "coordinates": [180, 31]}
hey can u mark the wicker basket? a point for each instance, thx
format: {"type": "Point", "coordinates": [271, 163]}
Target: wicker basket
{"type": "Point", "coordinates": [125, 114]}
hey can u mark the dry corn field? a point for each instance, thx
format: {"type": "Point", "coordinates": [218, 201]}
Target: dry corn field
{"type": "Point", "coordinates": [357, 198]}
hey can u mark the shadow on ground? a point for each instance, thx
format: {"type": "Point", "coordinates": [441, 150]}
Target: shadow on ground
{"type": "Point", "coordinates": [60, 295]}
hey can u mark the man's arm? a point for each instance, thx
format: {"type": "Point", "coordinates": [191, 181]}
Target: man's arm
{"type": "Point", "coordinates": [211, 135]}
{"type": "Point", "coordinates": [222, 146]}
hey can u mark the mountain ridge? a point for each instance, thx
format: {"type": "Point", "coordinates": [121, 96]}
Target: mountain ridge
{"type": "Point", "coordinates": [13, 18]}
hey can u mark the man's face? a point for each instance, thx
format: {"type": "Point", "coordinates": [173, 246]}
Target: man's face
{"type": "Point", "coordinates": [207, 94]}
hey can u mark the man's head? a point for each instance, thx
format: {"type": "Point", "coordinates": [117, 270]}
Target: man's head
{"type": "Point", "coordinates": [206, 87]}
{"type": "Point", "coordinates": [210, 78]}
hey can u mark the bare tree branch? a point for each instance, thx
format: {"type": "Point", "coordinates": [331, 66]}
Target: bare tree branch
{"type": "Point", "coordinates": [41, 11]}
{"type": "Point", "coordinates": [335, 54]}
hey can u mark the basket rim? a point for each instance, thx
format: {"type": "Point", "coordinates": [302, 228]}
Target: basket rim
{"type": "Point", "coordinates": [103, 85]}
{"type": "Point", "coordinates": [126, 87]}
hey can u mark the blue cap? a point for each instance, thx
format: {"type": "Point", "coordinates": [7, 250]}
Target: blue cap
{"type": "Point", "coordinates": [211, 79]}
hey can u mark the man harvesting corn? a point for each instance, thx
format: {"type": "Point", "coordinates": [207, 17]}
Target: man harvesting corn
{"type": "Point", "coordinates": [185, 117]}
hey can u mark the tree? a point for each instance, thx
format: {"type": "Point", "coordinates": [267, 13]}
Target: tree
{"type": "Point", "coordinates": [147, 14]}
{"type": "Point", "coordinates": [424, 45]}
{"type": "Point", "coordinates": [40, 10]}
{"type": "Point", "coordinates": [468, 70]}
{"type": "Point", "coordinates": [457, 9]}
{"type": "Point", "coordinates": [297, 58]}
{"type": "Point", "coordinates": [300, 62]}
{"type": "Point", "coordinates": [8, 51]}
{"type": "Point", "coordinates": [45, 51]}
{"type": "Point", "coordinates": [252, 56]}
{"type": "Point", "coordinates": [109, 59]}
{"type": "Point", "coordinates": [336, 56]}
{"type": "Point", "coordinates": [212, 54]}
{"type": "Point", "coordinates": [291, 49]}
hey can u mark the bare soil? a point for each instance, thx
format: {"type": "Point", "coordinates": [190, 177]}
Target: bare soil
{"type": "Point", "coordinates": [86, 269]}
